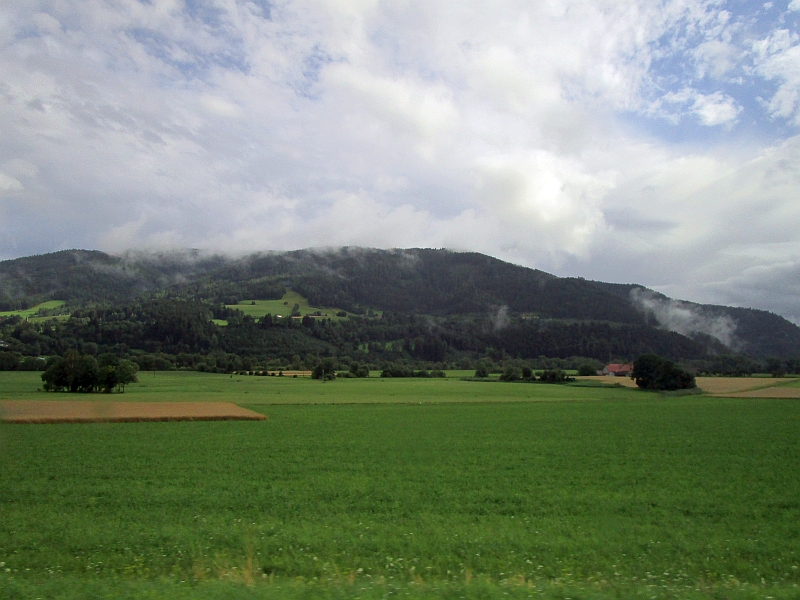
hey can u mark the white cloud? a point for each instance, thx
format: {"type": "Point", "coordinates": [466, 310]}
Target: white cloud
{"type": "Point", "coordinates": [715, 109]}
{"type": "Point", "coordinates": [778, 59]}
{"type": "Point", "coordinates": [716, 58]}
{"type": "Point", "coordinates": [711, 109]}
{"type": "Point", "coordinates": [685, 318]}
{"type": "Point", "coordinates": [506, 128]}
{"type": "Point", "coordinates": [9, 184]}
{"type": "Point", "coordinates": [545, 197]}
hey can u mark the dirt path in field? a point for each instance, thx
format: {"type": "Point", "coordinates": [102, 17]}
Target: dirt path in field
{"type": "Point", "coordinates": [48, 411]}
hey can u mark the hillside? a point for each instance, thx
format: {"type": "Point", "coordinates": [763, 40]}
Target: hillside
{"type": "Point", "coordinates": [437, 283]}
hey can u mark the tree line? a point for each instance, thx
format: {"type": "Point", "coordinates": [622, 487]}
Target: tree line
{"type": "Point", "coordinates": [170, 333]}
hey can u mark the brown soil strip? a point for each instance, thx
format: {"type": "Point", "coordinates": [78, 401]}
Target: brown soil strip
{"type": "Point", "coordinates": [48, 411]}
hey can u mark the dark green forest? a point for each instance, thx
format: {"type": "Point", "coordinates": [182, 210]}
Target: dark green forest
{"type": "Point", "coordinates": [421, 308]}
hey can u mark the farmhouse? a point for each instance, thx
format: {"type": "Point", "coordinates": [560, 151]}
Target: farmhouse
{"type": "Point", "coordinates": [617, 370]}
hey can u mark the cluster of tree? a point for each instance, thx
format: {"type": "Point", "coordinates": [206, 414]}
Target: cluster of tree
{"type": "Point", "coordinates": [513, 372]}
{"type": "Point", "coordinates": [75, 372]}
{"type": "Point", "coordinates": [11, 361]}
{"type": "Point", "coordinates": [589, 368]}
{"type": "Point", "coordinates": [327, 369]}
{"type": "Point", "coordinates": [651, 372]}
{"type": "Point", "coordinates": [356, 370]}
{"type": "Point", "coordinates": [401, 371]}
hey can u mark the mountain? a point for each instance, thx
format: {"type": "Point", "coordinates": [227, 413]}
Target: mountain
{"type": "Point", "coordinates": [436, 283]}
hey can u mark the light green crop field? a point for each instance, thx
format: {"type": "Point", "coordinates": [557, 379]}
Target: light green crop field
{"type": "Point", "coordinates": [282, 307]}
{"type": "Point", "coordinates": [191, 386]}
{"type": "Point", "coordinates": [480, 492]}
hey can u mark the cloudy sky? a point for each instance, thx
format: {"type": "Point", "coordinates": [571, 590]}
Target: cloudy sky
{"type": "Point", "coordinates": [648, 141]}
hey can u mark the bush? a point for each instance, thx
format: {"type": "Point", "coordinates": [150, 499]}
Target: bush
{"type": "Point", "coordinates": [9, 361]}
{"type": "Point", "coordinates": [392, 370]}
{"type": "Point", "coordinates": [325, 370]}
{"type": "Point", "coordinates": [482, 369]}
{"type": "Point", "coordinates": [31, 363]}
{"type": "Point", "coordinates": [587, 370]}
{"type": "Point", "coordinates": [553, 376]}
{"type": "Point", "coordinates": [511, 374]}
{"type": "Point", "coordinates": [357, 370]}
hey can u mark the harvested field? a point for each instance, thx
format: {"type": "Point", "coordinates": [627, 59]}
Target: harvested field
{"type": "Point", "coordinates": [778, 391]}
{"type": "Point", "coordinates": [48, 411]}
{"type": "Point", "coordinates": [729, 385]}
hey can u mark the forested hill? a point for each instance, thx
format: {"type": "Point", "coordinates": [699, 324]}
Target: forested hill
{"type": "Point", "coordinates": [431, 282]}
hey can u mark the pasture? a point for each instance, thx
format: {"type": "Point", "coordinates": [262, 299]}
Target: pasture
{"type": "Point", "coordinates": [414, 488]}
{"type": "Point", "coordinates": [30, 313]}
{"type": "Point", "coordinates": [283, 307]}
{"type": "Point", "coordinates": [177, 386]}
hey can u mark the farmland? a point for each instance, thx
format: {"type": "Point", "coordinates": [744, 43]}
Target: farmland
{"type": "Point", "coordinates": [245, 390]}
{"type": "Point", "coordinates": [418, 488]}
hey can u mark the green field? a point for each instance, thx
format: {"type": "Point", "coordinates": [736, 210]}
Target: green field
{"type": "Point", "coordinates": [282, 307]}
{"type": "Point", "coordinates": [242, 389]}
{"type": "Point", "coordinates": [485, 490]}
{"type": "Point", "coordinates": [30, 313]}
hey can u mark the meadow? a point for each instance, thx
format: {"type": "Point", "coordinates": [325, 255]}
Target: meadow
{"type": "Point", "coordinates": [30, 313]}
{"type": "Point", "coordinates": [283, 307]}
{"type": "Point", "coordinates": [192, 386]}
{"type": "Point", "coordinates": [415, 488]}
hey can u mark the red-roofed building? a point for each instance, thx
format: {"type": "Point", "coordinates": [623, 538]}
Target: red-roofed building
{"type": "Point", "coordinates": [618, 370]}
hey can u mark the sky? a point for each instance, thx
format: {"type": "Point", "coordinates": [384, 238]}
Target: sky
{"type": "Point", "coordinates": [655, 142]}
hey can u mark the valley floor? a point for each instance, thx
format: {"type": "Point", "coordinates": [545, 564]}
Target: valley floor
{"type": "Point", "coordinates": [414, 488]}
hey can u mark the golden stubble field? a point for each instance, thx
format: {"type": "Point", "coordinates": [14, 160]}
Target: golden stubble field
{"type": "Point", "coordinates": [90, 411]}
{"type": "Point", "coordinates": [730, 387]}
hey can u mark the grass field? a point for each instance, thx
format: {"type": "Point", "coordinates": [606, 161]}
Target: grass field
{"type": "Point", "coordinates": [30, 313]}
{"type": "Point", "coordinates": [478, 492]}
{"type": "Point", "coordinates": [241, 389]}
{"type": "Point", "coordinates": [192, 386]}
{"type": "Point", "coordinates": [282, 307]}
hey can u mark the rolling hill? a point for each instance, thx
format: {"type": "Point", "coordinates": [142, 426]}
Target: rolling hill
{"type": "Point", "coordinates": [424, 282]}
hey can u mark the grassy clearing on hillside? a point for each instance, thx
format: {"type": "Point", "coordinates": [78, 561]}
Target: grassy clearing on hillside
{"type": "Point", "coordinates": [283, 307]}
{"type": "Point", "coordinates": [676, 498]}
{"type": "Point", "coordinates": [175, 386]}
{"type": "Point", "coordinates": [30, 313]}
